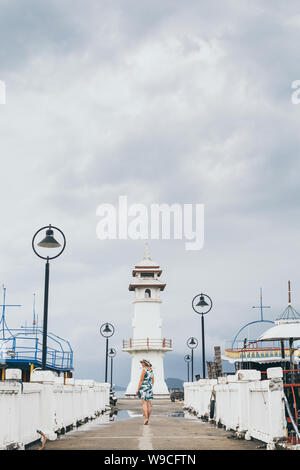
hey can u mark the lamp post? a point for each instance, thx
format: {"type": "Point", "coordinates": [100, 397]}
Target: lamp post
{"type": "Point", "coordinates": [187, 359]}
{"type": "Point", "coordinates": [192, 343]}
{"type": "Point", "coordinates": [106, 330]}
{"type": "Point", "coordinates": [243, 351]}
{"type": "Point", "coordinates": [47, 242]}
{"type": "Point", "coordinates": [201, 307]}
{"type": "Point", "coordinates": [112, 353]}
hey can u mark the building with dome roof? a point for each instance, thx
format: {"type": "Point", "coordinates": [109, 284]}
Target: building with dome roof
{"type": "Point", "coordinates": [277, 346]}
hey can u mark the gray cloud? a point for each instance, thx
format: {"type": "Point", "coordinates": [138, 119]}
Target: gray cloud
{"type": "Point", "coordinates": [163, 102]}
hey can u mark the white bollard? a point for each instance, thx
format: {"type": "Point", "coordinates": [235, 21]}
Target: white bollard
{"type": "Point", "coordinates": [248, 375]}
{"type": "Point", "coordinates": [274, 373]}
{"type": "Point", "coordinates": [13, 374]}
{"type": "Point", "coordinates": [43, 376]}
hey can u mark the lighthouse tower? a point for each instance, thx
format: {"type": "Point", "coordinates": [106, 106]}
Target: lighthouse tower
{"type": "Point", "coordinates": [147, 341]}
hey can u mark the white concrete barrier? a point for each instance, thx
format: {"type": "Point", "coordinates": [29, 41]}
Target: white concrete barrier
{"type": "Point", "coordinates": [46, 404]}
{"type": "Point", "coordinates": [243, 403]}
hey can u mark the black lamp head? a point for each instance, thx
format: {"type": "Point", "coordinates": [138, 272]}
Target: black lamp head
{"type": "Point", "coordinates": [187, 358]}
{"type": "Point", "coordinates": [192, 342]}
{"type": "Point", "coordinates": [49, 241]}
{"type": "Point", "coordinates": [107, 329]}
{"type": "Point", "coordinates": [202, 302]}
{"type": "Point", "coordinates": [112, 352]}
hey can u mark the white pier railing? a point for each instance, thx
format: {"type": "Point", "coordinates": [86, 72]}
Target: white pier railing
{"type": "Point", "coordinates": [46, 405]}
{"type": "Point", "coordinates": [251, 407]}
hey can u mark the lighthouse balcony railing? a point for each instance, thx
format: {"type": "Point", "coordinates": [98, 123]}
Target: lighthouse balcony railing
{"type": "Point", "coordinates": [147, 343]}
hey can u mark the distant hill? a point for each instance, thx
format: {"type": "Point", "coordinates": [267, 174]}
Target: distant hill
{"type": "Point", "coordinates": [174, 383]}
{"type": "Point", "coordinates": [117, 388]}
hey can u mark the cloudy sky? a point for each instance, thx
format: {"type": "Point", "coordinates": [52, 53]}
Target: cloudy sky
{"type": "Point", "coordinates": [164, 102]}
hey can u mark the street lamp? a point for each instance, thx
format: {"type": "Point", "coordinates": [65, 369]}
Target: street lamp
{"type": "Point", "coordinates": [112, 353]}
{"type": "Point", "coordinates": [187, 359]}
{"type": "Point", "coordinates": [201, 307]}
{"type": "Point", "coordinates": [243, 351]}
{"type": "Point", "coordinates": [106, 330]}
{"type": "Point", "coordinates": [47, 242]}
{"type": "Point", "coordinates": [192, 343]}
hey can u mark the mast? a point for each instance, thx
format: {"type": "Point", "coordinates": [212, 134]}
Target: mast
{"type": "Point", "coordinates": [3, 323]}
{"type": "Point", "coordinates": [33, 320]}
{"type": "Point", "coordinates": [261, 306]}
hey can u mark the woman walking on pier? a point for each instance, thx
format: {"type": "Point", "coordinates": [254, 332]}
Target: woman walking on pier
{"type": "Point", "coordinates": [145, 388]}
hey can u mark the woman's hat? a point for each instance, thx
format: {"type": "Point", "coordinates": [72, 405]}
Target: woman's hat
{"type": "Point", "coordinates": [146, 362]}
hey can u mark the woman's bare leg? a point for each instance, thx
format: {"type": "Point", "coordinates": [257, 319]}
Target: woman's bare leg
{"type": "Point", "coordinates": [149, 408]}
{"type": "Point", "coordinates": [144, 408]}
{"type": "Point", "coordinates": [145, 411]}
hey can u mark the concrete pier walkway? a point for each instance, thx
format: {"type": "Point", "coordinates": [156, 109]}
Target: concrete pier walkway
{"type": "Point", "coordinates": [167, 430]}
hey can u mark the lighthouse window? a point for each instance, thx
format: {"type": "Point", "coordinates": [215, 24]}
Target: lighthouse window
{"type": "Point", "coordinates": [147, 274]}
{"type": "Point", "coordinates": [147, 293]}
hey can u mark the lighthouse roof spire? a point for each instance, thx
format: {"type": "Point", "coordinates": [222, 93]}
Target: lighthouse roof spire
{"type": "Point", "coordinates": [146, 272]}
{"type": "Point", "coordinates": [147, 262]}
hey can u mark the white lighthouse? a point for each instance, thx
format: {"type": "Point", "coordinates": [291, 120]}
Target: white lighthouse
{"type": "Point", "coordinates": [147, 341]}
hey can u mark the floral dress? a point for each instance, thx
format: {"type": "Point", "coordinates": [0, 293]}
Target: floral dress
{"type": "Point", "coordinates": [146, 389]}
